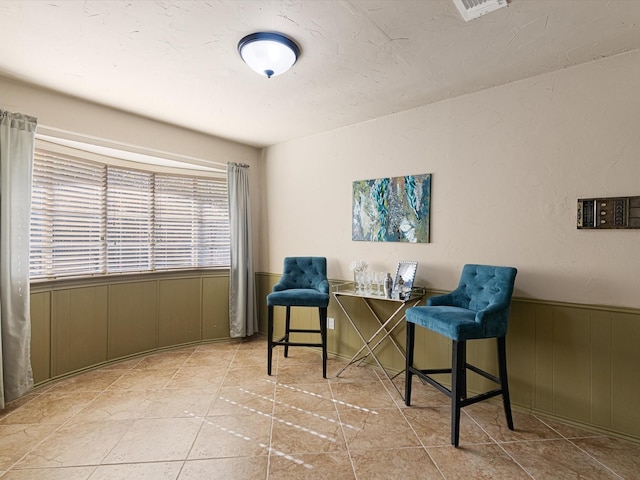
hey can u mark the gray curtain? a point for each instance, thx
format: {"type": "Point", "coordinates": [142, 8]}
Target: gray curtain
{"type": "Point", "coordinates": [17, 134]}
{"type": "Point", "coordinates": [243, 320]}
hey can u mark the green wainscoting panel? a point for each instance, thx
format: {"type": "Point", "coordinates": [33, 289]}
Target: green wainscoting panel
{"type": "Point", "coordinates": [133, 318]}
{"type": "Point", "coordinates": [179, 311]}
{"type": "Point", "coordinates": [215, 307]}
{"type": "Point", "coordinates": [542, 381]}
{"type": "Point", "coordinates": [625, 379]}
{"type": "Point", "coordinates": [41, 336]}
{"type": "Point", "coordinates": [78, 324]}
{"type": "Point", "coordinates": [573, 362]}
{"type": "Point", "coordinates": [600, 364]}
{"type": "Point", "coordinates": [521, 365]}
{"type": "Point", "coordinates": [78, 328]}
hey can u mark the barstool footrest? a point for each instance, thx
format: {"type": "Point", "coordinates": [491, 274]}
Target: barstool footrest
{"type": "Point", "coordinates": [294, 344]}
{"type": "Point", "coordinates": [425, 375]}
{"type": "Point", "coordinates": [300, 330]}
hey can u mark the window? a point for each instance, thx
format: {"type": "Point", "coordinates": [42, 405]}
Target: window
{"type": "Point", "coordinates": [91, 218]}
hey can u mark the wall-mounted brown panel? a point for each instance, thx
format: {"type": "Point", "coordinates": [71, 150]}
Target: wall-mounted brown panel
{"type": "Point", "coordinates": [133, 319]}
{"type": "Point", "coordinates": [215, 308]}
{"type": "Point", "coordinates": [608, 213]}
{"type": "Point", "coordinates": [79, 328]}
{"type": "Point", "coordinates": [41, 336]}
{"type": "Point", "coordinates": [179, 311]}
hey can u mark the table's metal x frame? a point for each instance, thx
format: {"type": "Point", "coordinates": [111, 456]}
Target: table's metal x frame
{"type": "Point", "coordinates": [384, 324]}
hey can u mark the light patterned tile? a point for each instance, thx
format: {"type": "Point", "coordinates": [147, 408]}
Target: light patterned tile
{"type": "Point", "coordinates": [290, 373]}
{"type": "Point", "coordinates": [302, 433]}
{"type": "Point", "coordinates": [17, 440]}
{"type": "Point", "coordinates": [209, 378]}
{"type": "Point", "coordinates": [250, 468]}
{"type": "Point", "coordinates": [93, 381]}
{"type": "Point", "coordinates": [621, 456]}
{"type": "Point", "coordinates": [244, 399]}
{"type": "Point", "coordinates": [76, 445]}
{"type": "Point", "coordinates": [138, 471]}
{"type": "Point", "coordinates": [144, 379]}
{"type": "Point", "coordinates": [369, 395]}
{"type": "Point", "coordinates": [54, 408]}
{"type": "Point", "coordinates": [404, 463]}
{"type": "Point", "coordinates": [114, 405]}
{"type": "Point", "coordinates": [491, 417]}
{"type": "Point", "coordinates": [232, 436]}
{"type": "Point", "coordinates": [317, 466]}
{"type": "Point", "coordinates": [210, 358]}
{"type": "Point", "coordinates": [52, 473]}
{"type": "Point", "coordinates": [155, 440]}
{"type": "Point", "coordinates": [557, 459]}
{"type": "Point", "coordinates": [173, 359]}
{"type": "Point", "coordinates": [249, 374]}
{"type": "Point", "coordinates": [433, 426]}
{"type": "Point", "coordinates": [381, 429]}
{"type": "Point", "coordinates": [487, 461]}
{"type": "Point", "coordinates": [352, 374]}
{"type": "Point", "coordinates": [14, 405]}
{"type": "Point", "coordinates": [315, 397]}
{"type": "Point", "coordinates": [169, 403]}
{"type": "Point", "coordinates": [250, 357]}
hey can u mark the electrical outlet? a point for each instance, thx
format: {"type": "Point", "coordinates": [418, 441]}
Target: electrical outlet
{"type": "Point", "coordinates": [331, 323]}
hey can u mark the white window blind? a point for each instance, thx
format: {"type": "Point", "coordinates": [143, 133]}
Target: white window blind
{"type": "Point", "coordinates": [89, 218]}
{"type": "Point", "coordinates": [129, 220]}
{"type": "Point", "coordinates": [67, 217]}
{"type": "Point", "coordinates": [187, 209]}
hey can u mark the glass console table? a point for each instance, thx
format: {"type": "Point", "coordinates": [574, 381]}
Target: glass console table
{"type": "Point", "coordinates": [383, 333]}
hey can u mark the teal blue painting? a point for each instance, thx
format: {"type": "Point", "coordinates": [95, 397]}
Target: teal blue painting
{"type": "Point", "coordinates": [392, 209]}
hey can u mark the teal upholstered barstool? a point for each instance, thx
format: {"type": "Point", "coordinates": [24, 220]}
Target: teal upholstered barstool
{"type": "Point", "coordinates": [303, 284]}
{"type": "Point", "coordinates": [478, 308]}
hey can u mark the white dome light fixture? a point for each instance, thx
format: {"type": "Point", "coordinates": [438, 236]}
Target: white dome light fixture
{"type": "Point", "coordinates": [268, 53]}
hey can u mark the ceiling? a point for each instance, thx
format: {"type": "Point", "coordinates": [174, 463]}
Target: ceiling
{"type": "Point", "coordinates": [176, 60]}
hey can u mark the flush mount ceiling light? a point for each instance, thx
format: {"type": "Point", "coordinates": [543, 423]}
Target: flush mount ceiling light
{"type": "Point", "coordinates": [268, 53]}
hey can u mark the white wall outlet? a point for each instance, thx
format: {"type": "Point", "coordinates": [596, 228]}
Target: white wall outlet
{"type": "Point", "coordinates": [331, 323]}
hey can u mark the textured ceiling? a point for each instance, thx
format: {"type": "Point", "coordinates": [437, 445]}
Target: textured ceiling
{"type": "Point", "coordinates": [176, 60]}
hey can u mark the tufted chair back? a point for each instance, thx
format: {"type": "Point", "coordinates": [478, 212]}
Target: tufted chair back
{"type": "Point", "coordinates": [484, 285]}
{"type": "Point", "coordinates": [484, 292]}
{"type": "Point", "coordinates": [304, 273]}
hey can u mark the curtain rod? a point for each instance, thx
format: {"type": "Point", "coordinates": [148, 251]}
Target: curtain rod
{"type": "Point", "coordinates": [244, 165]}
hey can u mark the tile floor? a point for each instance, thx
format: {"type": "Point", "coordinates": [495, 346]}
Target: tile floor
{"type": "Point", "coordinates": [211, 412]}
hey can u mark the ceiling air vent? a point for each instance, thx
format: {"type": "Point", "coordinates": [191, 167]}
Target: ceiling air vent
{"type": "Point", "coordinates": [471, 9]}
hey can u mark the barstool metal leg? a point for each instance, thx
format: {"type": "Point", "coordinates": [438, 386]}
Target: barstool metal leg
{"type": "Point", "coordinates": [323, 335]}
{"type": "Point", "coordinates": [458, 387]}
{"type": "Point", "coordinates": [287, 326]}
{"type": "Point", "coordinates": [504, 383]}
{"type": "Point", "coordinates": [269, 338]}
{"type": "Point", "coordinates": [411, 331]}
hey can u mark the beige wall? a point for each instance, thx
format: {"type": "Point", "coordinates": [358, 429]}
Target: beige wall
{"type": "Point", "coordinates": [508, 165]}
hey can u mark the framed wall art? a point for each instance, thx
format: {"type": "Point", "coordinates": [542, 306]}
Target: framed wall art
{"type": "Point", "coordinates": [394, 209]}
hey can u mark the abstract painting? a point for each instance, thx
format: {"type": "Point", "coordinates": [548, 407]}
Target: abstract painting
{"type": "Point", "coordinates": [392, 209]}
